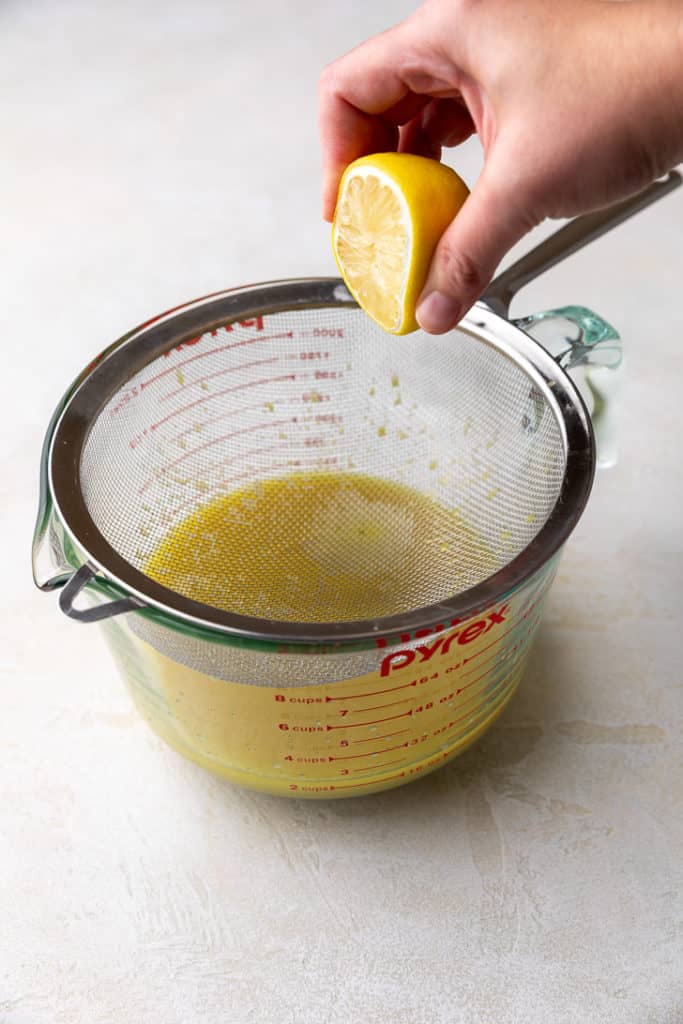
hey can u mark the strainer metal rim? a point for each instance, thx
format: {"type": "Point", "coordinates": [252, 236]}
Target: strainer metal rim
{"type": "Point", "coordinates": [137, 348]}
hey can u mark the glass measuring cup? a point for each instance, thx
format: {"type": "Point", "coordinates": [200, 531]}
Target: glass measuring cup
{"type": "Point", "coordinates": [324, 709]}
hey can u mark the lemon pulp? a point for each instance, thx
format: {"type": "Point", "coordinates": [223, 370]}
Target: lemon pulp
{"type": "Point", "coordinates": [392, 209]}
{"type": "Point", "coordinates": [372, 246]}
{"type": "Point", "coordinates": [321, 547]}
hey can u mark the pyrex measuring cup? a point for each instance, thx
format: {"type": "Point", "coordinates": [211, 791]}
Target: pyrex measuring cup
{"type": "Point", "coordinates": [267, 382]}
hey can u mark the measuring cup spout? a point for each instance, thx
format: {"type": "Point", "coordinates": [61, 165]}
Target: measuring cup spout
{"type": "Point", "coordinates": [51, 569]}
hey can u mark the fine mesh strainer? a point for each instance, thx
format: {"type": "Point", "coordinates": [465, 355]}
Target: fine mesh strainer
{"type": "Point", "coordinates": [386, 516]}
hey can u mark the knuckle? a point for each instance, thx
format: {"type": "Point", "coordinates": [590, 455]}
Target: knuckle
{"type": "Point", "coordinates": [328, 80]}
{"type": "Point", "coordinates": [460, 270]}
{"type": "Point", "coordinates": [465, 8]}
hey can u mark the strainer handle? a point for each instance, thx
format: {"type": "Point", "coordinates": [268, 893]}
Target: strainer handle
{"type": "Point", "coordinates": [73, 588]}
{"type": "Point", "coordinates": [568, 240]}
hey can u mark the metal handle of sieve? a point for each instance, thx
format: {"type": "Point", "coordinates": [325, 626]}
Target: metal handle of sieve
{"type": "Point", "coordinates": [568, 240]}
{"type": "Point", "coordinates": [76, 584]}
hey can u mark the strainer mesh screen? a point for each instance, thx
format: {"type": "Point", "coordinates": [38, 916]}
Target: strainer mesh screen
{"type": "Point", "coordinates": [305, 466]}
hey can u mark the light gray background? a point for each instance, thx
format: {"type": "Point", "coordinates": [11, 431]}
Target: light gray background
{"type": "Point", "coordinates": [153, 152]}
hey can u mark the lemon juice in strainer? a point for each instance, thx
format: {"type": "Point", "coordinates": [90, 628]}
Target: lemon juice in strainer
{"type": "Point", "coordinates": [316, 547]}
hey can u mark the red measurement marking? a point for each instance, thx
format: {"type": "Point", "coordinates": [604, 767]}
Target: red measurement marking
{"type": "Point", "coordinates": [385, 764]}
{"type": "Point", "coordinates": [494, 693]}
{"type": "Point", "coordinates": [516, 625]}
{"type": "Point", "coordinates": [219, 394]}
{"type": "Point", "coordinates": [290, 464]}
{"type": "Point", "coordinates": [235, 412]}
{"type": "Point", "coordinates": [314, 397]}
{"type": "Point", "coordinates": [326, 332]}
{"type": "Point", "coordinates": [374, 693]}
{"type": "Point", "coordinates": [492, 657]}
{"type": "Point", "coordinates": [252, 453]}
{"type": "Point", "coordinates": [369, 753]}
{"type": "Point", "coordinates": [376, 721]}
{"type": "Point", "coordinates": [375, 782]}
{"type": "Point", "coordinates": [458, 734]}
{"type": "Point", "coordinates": [210, 444]}
{"type": "Point", "coordinates": [273, 467]}
{"type": "Point", "coordinates": [206, 471]}
{"type": "Point", "coordinates": [218, 373]}
{"type": "Point", "coordinates": [213, 352]}
{"type": "Point", "coordinates": [476, 696]}
{"type": "Point", "coordinates": [387, 736]}
{"type": "Point", "coordinates": [477, 679]}
{"type": "Point", "coordinates": [318, 461]}
{"type": "Point", "coordinates": [501, 682]}
{"type": "Point", "coordinates": [461, 719]}
{"type": "Point", "coordinates": [483, 675]}
{"type": "Point", "coordinates": [379, 707]}
{"type": "Point", "coordinates": [241, 410]}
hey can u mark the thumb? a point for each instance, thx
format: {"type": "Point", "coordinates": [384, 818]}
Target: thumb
{"type": "Point", "coordinates": [489, 223]}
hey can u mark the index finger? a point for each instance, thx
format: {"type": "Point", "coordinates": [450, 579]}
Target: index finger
{"type": "Point", "coordinates": [363, 97]}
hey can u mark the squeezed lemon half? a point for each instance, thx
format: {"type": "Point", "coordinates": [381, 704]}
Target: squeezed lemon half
{"type": "Point", "coordinates": [392, 209]}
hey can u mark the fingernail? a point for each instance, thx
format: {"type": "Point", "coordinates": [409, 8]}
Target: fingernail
{"type": "Point", "coordinates": [437, 313]}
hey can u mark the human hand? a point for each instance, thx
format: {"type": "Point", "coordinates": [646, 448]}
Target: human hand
{"type": "Point", "coordinates": [576, 105]}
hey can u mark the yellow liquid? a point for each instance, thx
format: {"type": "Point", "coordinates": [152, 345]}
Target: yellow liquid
{"type": "Point", "coordinates": [321, 547]}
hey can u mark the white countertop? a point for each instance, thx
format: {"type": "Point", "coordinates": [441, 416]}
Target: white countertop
{"type": "Point", "coordinates": [150, 155]}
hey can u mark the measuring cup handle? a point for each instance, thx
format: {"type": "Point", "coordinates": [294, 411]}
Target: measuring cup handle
{"type": "Point", "coordinates": [76, 584]}
{"type": "Point", "coordinates": [569, 239]}
{"type": "Point", "coordinates": [589, 349]}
